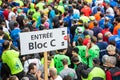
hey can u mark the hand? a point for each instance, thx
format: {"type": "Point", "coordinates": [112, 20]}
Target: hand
{"type": "Point", "coordinates": [38, 74]}
{"type": "Point", "coordinates": [87, 55]}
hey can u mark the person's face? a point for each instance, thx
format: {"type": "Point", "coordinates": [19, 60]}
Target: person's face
{"type": "Point", "coordinates": [33, 71]}
{"type": "Point", "coordinates": [49, 7]}
{"type": "Point", "coordinates": [111, 52]}
{"type": "Point", "coordinates": [74, 53]}
{"type": "Point", "coordinates": [34, 24]}
{"type": "Point", "coordinates": [49, 61]}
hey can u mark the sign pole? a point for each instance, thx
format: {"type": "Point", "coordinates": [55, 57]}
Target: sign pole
{"type": "Point", "coordinates": [45, 66]}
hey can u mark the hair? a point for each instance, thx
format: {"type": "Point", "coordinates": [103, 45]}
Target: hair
{"type": "Point", "coordinates": [49, 58]}
{"type": "Point", "coordinates": [75, 59]}
{"type": "Point", "coordinates": [86, 26]}
{"type": "Point", "coordinates": [65, 13]}
{"type": "Point", "coordinates": [61, 50]}
{"type": "Point", "coordinates": [112, 43]}
{"type": "Point", "coordinates": [65, 24]}
{"type": "Point", "coordinates": [25, 78]}
{"type": "Point", "coordinates": [26, 29]}
{"type": "Point", "coordinates": [74, 6]}
{"type": "Point", "coordinates": [68, 77]}
{"type": "Point", "coordinates": [13, 77]}
{"type": "Point", "coordinates": [101, 15]}
{"type": "Point", "coordinates": [80, 41]}
{"type": "Point", "coordinates": [1, 28]}
{"type": "Point", "coordinates": [93, 39]}
{"type": "Point", "coordinates": [1, 32]}
{"type": "Point", "coordinates": [65, 61]}
{"type": "Point", "coordinates": [31, 66]}
{"type": "Point", "coordinates": [112, 60]}
{"type": "Point", "coordinates": [111, 47]}
{"type": "Point", "coordinates": [43, 20]}
{"type": "Point", "coordinates": [95, 23]}
{"type": "Point", "coordinates": [105, 59]}
{"type": "Point", "coordinates": [6, 44]}
{"type": "Point", "coordinates": [100, 36]}
{"type": "Point", "coordinates": [56, 11]}
{"type": "Point", "coordinates": [98, 8]}
{"type": "Point", "coordinates": [37, 8]}
{"type": "Point", "coordinates": [53, 71]}
{"type": "Point", "coordinates": [75, 50]}
{"type": "Point", "coordinates": [82, 13]}
{"type": "Point", "coordinates": [3, 23]}
{"type": "Point", "coordinates": [16, 24]}
{"type": "Point", "coordinates": [118, 19]}
{"type": "Point", "coordinates": [96, 61]}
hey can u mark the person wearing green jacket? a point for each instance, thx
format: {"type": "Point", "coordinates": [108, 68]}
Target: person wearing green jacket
{"type": "Point", "coordinates": [0, 3]}
{"type": "Point", "coordinates": [82, 51]}
{"type": "Point", "coordinates": [32, 9]}
{"type": "Point", "coordinates": [40, 4]}
{"type": "Point", "coordinates": [92, 50]}
{"type": "Point", "coordinates": [36, 15]}
{"type": "Point", "coordinates": [58, 60]}
{"type": "Point", "coordinates": [11, 58]}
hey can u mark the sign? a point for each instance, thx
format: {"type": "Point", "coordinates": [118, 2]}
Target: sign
{"type": "Point", "coordinates": [42, 41]}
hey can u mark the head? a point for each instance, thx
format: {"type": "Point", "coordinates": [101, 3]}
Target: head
{"type": "Point", "coordinates": [46, 24]}
{"type": "Point", "coordinates": [112, 61]}
{"type": "Point", "coordinates": [68, 77]}
{"type": "Point", "coordinates": [62, 51]}
{"type": "Point", "coordinates": [9, 8]}
{"type": "Point", "coordinates": [65, 61]}
{"type": "Point", "coordinates": [25, 78]}
{"type": "Point", "coordinates": [26, 29]}
{"type": "Point", "coordinates": [53, 72]}
{"type": "Point", "coordinates": [93, 39]}
{"type": "Point", "coordinates": [50, 7]}
{"type": "Point", "coordinates": [33, 23]}
{"type": "Point", "coordinates": [13, 78]}
{"type": "Point", "coordinates": [100, 36]}
{"type": "Point", "coordinates": [117, 20]}
{"type": "Point", "coordinates": [79, 30]}
{"type": "Point", "coordinates": [111, 49]}
{"type": "Point", "coordinates": [1, 33]}
{"type": "Point", "coordinates": [16, 24]}
{"type": "Point", "coordinates": [6, 45]}
{"type": "Point", "coordinates": [105, 60]}
{"type": "Point", "coordinates": [80, 23]}
{"type": "Point", "coordinates": [95, 23]}
{"type": "Point", "coordinates": [3, 24]}
{"type": "Point", "coordinates": [107, 19]}
{"type": "Point", "coordinates": [108, 34]}
{"type": "Point", "coordinates": [75, 51]}
{"type": "Point", "coordinates": [92, 18]}
{"type": "Point", "coordinates": [112, 43]}
{"type": "Point", "coordinates": [13, 17]}
{"type": "Point", "coordinates": [75, 60]}
{"type": "Point", "coordinates": [49, 60]}
{"type": "Point", "coordinates": [86, 26]}
{"type": "Point", "coordinates": [96, 62]}
{"type": "Point", "coordinates": [107, 5]}
{"type": "Point", "coordinates": [32, 68]}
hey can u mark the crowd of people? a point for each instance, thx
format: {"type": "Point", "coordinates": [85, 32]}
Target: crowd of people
{"type": "Point", "coordinates": [93, 36]}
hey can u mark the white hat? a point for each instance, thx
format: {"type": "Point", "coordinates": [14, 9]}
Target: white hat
{"type": "Point", "coordinates": [79, 29]}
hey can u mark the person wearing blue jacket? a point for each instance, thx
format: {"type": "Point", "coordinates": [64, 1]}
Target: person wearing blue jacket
{"type": "Point", "coordinates": [15, 34]}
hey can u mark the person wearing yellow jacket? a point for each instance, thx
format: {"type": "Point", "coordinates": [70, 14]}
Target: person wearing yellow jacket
{"type": "Point", "coordinates": [95, 73]}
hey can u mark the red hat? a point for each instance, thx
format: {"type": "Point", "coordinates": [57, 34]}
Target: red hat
{"type": "Point", "coordinates": [86, 41]}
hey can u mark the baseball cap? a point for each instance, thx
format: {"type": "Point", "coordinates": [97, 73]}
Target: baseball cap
{"type": "Point", "coordinates": [79, 29]}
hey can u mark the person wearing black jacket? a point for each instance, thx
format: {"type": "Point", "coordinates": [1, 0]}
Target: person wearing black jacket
{"type": "Point", "coordinates": [80, 67]}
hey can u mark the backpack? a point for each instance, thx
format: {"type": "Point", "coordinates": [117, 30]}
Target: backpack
{"type": "Point", "coordinates": [113, 74]}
